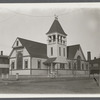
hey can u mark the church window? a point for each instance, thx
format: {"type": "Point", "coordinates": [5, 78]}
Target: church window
{"type": "Point", "coordinates": [61, 39]}
{"type": "Point", "coordinates": [82, 66]}
{"type": "Point", "coordinates": [51, 51]}
{"type": "Point", "coordinates": [54, 38]}
{"type": "Point", "coordinates": [13, 65]}
{"type": "Point", "coordinates": [17, 43]}
{"type": "Point", "coordinates": [64, 51]}
{"type": "Point", "coordinates": [58, 38]}
{"type": "Point", "coordinates": [69, 65]}
{"type": "Point", "coordinates": [86, 66]}
{"type": "Point", "coordinates": [78, 62]}
{"type": "Point", "coordinates": [59, 51]}
{"type": "Point", "coordinates": [75, 66]}
{"type": "Point", "coordinates": [39, 64]}
{"type": "Point", "coordinates": [26, 64]}
{"type": "Point", "coordinates": [19, 60]}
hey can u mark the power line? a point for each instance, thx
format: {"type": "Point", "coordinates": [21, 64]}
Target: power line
{"type": "Point", "coordinates": [58, 15]}
{"type": "Point", "coordinates": [25, 14]}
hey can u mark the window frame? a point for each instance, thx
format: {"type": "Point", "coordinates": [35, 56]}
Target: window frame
{"type": "Point", "coordinates": [17, 43]}
{"type": "Point", "coordinates": [51, 51]}
{"type": "Point", "coordinates": [64, 52]}
{"type": "Point", "coordinates": [39, 64]}
{"type": "Point", "coordinates": [26, 60]}
{"type": "Point", "coordinates": [59, 51]}
{"type": "Point", "coordinates": [69, 65]}
{"type": "Point", "coordinates": [12, 63]}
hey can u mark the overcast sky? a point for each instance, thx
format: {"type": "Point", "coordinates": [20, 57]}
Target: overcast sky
{"type": "Point", "coordinates": [81, 22]}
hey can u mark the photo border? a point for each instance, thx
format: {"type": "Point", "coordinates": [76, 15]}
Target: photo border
{"type": "Point", "coordinates": [50, 1]}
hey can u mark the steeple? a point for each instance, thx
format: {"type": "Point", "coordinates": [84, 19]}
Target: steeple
{"type": "Point", "coordinates": [57, 41]}
{"type": "Point", "coordinates": [56, 27]}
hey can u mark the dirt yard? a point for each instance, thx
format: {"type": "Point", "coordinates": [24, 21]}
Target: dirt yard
{"type": "Point", "coordinates": [50, 86]}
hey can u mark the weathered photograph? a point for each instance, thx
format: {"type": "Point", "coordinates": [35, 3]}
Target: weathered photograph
{"type": "Point", "coordinates": [50, 48]}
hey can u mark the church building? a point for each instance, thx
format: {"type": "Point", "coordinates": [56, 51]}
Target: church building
{"type": "Point", "coordinates": [54, 58]}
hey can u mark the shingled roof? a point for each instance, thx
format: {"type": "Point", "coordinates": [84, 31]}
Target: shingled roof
{"type": "Point", "coordinates": [39, 50]}
{"type": "Point", "coordinates": [35, 49]}
{"type": "Point", "coordinates": [71, 51]}
{"type": "Point", "coordinates": [56, 27]}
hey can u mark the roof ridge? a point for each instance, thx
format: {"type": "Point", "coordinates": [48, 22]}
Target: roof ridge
{"type": "Point", "coordinates": [31, 40]}
{"type": "Point", "coordinates": [74, 45]}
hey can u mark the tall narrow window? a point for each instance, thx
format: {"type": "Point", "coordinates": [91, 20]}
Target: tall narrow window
{"type": "Point", "coordinates": [78, 62]}
{"type": "Point", "coordinates": [59, 51]}
{"type": "Point", "coordinates": [39, 64]}
{"type": "Point", "coordinates": [51, 51]}
{"type": "Point", "coordinates": [86, 66]}
{"type": "Point", "coordinates": [26, 64]}
{"type": "Point", "coordinates": [64, 51]}
{"type": "Point", "coordinates": [54, 38]}
{"type": "Point", "coordinates": [19, 60]}
{"type": "Point", "coordinates": [69, 65]}
{"type": "Point", "coordinates": [74, 66]}
{"type": "Point", "coordinates": [82, 66]}
{"type": "Point", "coordinates": [17, 43]}
{"type": "Point", "coordinates": [13, 65]}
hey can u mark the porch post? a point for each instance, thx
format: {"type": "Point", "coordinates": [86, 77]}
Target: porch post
{"type": "Point", "coordinates": [57, 69]}
{"type": "Point", "coordinates": [48, 72]}
{"type": "Point", "coordinates": [51, 67]}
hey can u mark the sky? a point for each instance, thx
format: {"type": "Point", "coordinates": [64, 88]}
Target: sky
{"type": "Point", "coordinates": [81, 23]}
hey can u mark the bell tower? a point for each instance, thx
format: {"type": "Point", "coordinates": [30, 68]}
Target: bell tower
{"type": "Point", "coordinates": [57, 41]}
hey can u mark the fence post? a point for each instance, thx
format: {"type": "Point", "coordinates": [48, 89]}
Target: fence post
{"type": "Point", "coordinates": [17, 76]}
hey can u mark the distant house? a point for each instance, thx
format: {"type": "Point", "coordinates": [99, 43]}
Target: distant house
{"type": "Point", "coordinates": [34, 58]}
{"type": "Point", "coordinates": [95, 66]}
{"type": "Point", "coordinates": [4, 64]}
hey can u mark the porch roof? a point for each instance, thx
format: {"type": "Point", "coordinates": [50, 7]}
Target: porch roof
{"type": "Point", "coordinates": [50, 60]}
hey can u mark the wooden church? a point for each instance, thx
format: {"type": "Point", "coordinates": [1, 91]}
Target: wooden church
{"type": "Point", "coordinates": [54, 58]}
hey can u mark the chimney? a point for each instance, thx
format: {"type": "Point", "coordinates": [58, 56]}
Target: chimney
{"type": "Point", "coordinates": [88, 55]}
{"type": "Point", "coordinates": [1, 52]}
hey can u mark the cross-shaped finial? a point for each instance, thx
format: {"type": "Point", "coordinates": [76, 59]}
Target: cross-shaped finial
{"type": "Point", "coordinates": [56, 17]}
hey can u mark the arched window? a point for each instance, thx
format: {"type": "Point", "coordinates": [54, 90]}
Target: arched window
{"type": "Point", "coordinates": [19, 60]}
{"type": "Point", "coordinates": [78, 62]}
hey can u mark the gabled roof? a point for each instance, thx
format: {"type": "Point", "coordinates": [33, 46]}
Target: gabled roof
{"type": "Point", "coordinates": [71, 51]}
{"type": "Point", "coordinates": [56, 27]}
{"type": "Point", "coordinates": [35, 49]}
{"type": "Point", "coordinates": [39, 50]}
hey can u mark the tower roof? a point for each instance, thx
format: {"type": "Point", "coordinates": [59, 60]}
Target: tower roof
{"type": "Point", "coordinates": [56, 27]}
